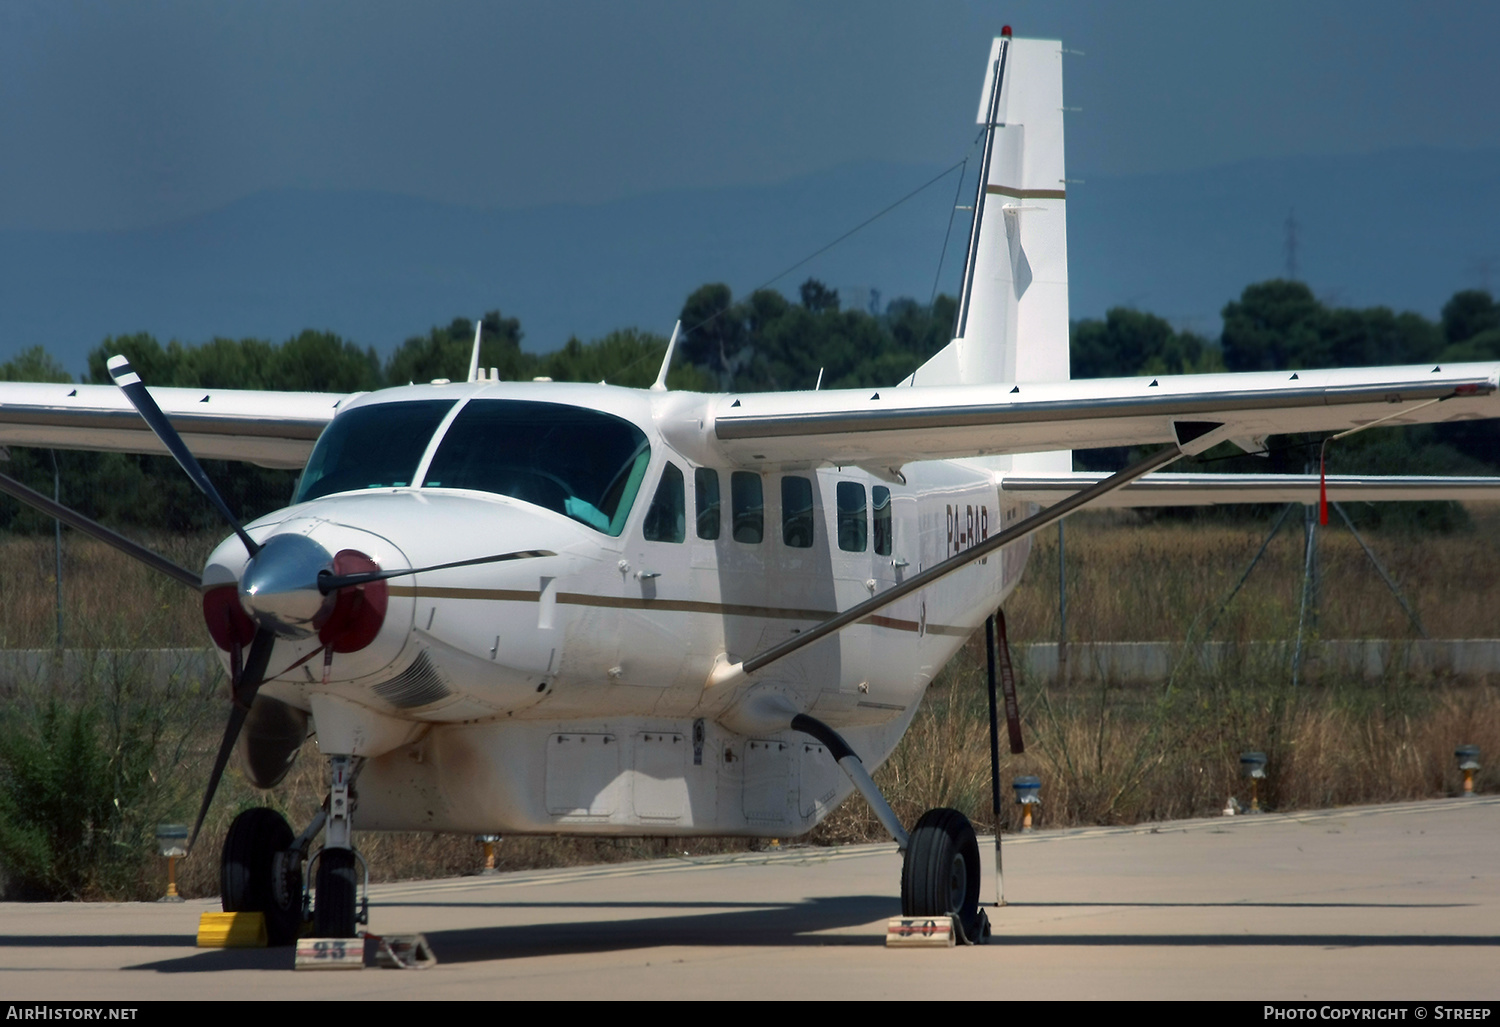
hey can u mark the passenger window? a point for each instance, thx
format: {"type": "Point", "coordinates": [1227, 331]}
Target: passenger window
{"type": "Point", "coordinates": [706, 494]}
{"type": "Point", "coordinates": [881, 496]}
{"type": "Point", "coordinates": [666, 521]}
{"type": "Point", "coordinates": [749, 506]}
{"type": "Point", "coordinates": [797, 512]}
{"type": "Point", "coordinates": [853, 522]}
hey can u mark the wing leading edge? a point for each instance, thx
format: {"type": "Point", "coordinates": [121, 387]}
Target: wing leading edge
{"type": "Point", "coordinates": [272, 429]}
{"type": "Point", "coordinates": [891, 427]}
{"type": "Point", "coordinates": [1171, 489]}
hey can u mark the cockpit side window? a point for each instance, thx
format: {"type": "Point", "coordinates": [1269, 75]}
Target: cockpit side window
{"type": "Point", "coordinates": [576, 461]}
{"type": "Point", "coordinates": [666, 519]}
{"type": "Point", "coordinates": [371, 447]}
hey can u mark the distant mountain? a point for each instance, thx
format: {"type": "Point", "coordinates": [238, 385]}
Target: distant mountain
{"type": "Point", "coordinates": [1404, 228]}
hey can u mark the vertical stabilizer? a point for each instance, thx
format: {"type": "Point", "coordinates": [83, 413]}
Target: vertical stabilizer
{"type": "Point", "coordinates": [1012, 323]}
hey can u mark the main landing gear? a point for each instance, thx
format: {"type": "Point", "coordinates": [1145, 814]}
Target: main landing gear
{"type": "Point", "coordinates": [261, 868]}
{"type": "Point", "coordinates": [940, 856]}
{"type": "Point", "coordinates": [940, 871]}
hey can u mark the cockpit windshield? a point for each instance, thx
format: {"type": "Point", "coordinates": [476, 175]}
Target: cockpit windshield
{"type": "Point", "coordinates": [372, 447]}
{"type": "Point", "coordinates": [576, 461]}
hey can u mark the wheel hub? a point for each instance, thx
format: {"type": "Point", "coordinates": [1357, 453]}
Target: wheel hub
{"type": "Point", "coordinates": [958, 884]}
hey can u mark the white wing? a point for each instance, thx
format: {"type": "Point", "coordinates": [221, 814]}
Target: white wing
{"type": "Point", "coordinates": [886, 428]}
{"type": "Point", "coordinates": [1165, 488]}
{"type": "Point", "coordinates": [272, 429]}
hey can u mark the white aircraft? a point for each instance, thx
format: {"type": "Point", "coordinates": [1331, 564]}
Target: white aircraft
{"type": "Point", "coordinates": [549, 608]}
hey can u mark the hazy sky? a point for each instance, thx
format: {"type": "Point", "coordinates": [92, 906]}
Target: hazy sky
{"type": "Point", "coordinates": [118, 115]}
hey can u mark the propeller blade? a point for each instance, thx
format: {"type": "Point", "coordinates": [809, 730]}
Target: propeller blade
{"type": "Point", "coordinates": [244, 694]}
{"type": "Point", "coordinates": [37, 501]}
{"type": "Point", "coordinates": [329, 582]}
{"type": "Point", "coordinates": [135, 390]}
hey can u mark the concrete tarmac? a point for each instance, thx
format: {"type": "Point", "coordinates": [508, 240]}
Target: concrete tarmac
{"type": "Point", "coordinates": [1383, 902]}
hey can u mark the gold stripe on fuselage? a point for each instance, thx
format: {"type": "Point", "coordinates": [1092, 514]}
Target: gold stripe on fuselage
{"type": "Point", "coordinates": [511, 595]}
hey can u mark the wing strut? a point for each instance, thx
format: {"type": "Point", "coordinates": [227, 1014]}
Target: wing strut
{"type": "Point", "coordinates": [725, 673]}
{"type": "Point", "coordinates": [134, 550]}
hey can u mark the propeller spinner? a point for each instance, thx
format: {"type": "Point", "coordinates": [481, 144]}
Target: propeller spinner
{"type": "Point", "coordinates": [279, 586]}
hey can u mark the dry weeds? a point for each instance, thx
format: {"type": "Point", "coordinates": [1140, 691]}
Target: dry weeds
{"type": "Point", "coordinates": [1134, 580]}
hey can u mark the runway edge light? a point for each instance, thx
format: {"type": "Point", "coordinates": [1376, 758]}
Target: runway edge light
{"type": "Point", "coordinates": [171, 841]}
{"type": "Point", "coordinates": [1028, 794]}
{"type": "Point", "coordinates": [1468, 762]}
{"type": "Point", "coordinates": [1253, 767]}
{"type": "Point", "coordinates": [488, 841]}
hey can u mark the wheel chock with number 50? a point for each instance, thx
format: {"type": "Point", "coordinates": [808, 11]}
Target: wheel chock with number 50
{"type": "Point", "coordinates": [921, 932]}
{"type": "Point", "coordinates": [330, 954]}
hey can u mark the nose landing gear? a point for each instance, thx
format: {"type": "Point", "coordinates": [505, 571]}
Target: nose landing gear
{"type": "Point", "coordinates": [261, 868]}
{"type": "Point", "coordinates": [339, 909]}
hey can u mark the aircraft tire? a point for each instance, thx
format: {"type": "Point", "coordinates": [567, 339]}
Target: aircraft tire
{"type": "Point", "coordinates": [940, 872]}
{"type": "Point", "coordinates": [247, 873]}
{"type": "Point", "coordinates": [336, 907]}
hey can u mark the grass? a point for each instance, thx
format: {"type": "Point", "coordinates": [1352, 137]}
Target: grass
{"type": "Point", "coordinates": [1119, 755]}
{"type": "Point", "coordinates": [1106, 753]}
{"type": "Point", "coordinates": [109, 600]}
{"type": "Point", "coordinates": [1135, 580]}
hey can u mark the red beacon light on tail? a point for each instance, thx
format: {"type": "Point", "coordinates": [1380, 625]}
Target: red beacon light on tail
{"type": "Point", "coordinates": [1005, 31]}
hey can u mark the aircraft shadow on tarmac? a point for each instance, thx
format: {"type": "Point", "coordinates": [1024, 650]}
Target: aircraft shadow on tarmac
{"type": "Point", "coordinates": [728, 923]}
{"type": "Point", "coordinates": [1241, 905]}
{"type": "Point", "coordinates": [208, 959]}
{"type": "Point", "coordinates": [123, 941]}
{"type": "Point", "coordinates": [752, 924]}
{"type": "Point", "coordinates": [1331, 941]}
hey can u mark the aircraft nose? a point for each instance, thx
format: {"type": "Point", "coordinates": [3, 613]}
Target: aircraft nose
{"type": "Point", "coordinates": [279, 586]}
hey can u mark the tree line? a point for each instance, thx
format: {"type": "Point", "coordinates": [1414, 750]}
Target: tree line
{"type": "Point", "coordinates": [765, 341]}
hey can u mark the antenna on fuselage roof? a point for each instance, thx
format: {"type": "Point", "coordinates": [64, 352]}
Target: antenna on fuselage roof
{"type": "Point", "coordinates": [474, 357]}
{"type": "Point", "coordinates": [660, 385]}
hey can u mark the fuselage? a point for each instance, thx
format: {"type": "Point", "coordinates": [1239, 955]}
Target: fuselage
{"type": "Point", "coordinates": [570, 692]}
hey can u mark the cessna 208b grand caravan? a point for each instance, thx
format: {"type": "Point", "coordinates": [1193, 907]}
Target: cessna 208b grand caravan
{"type": "Point", "coordinates": [555, 608]}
